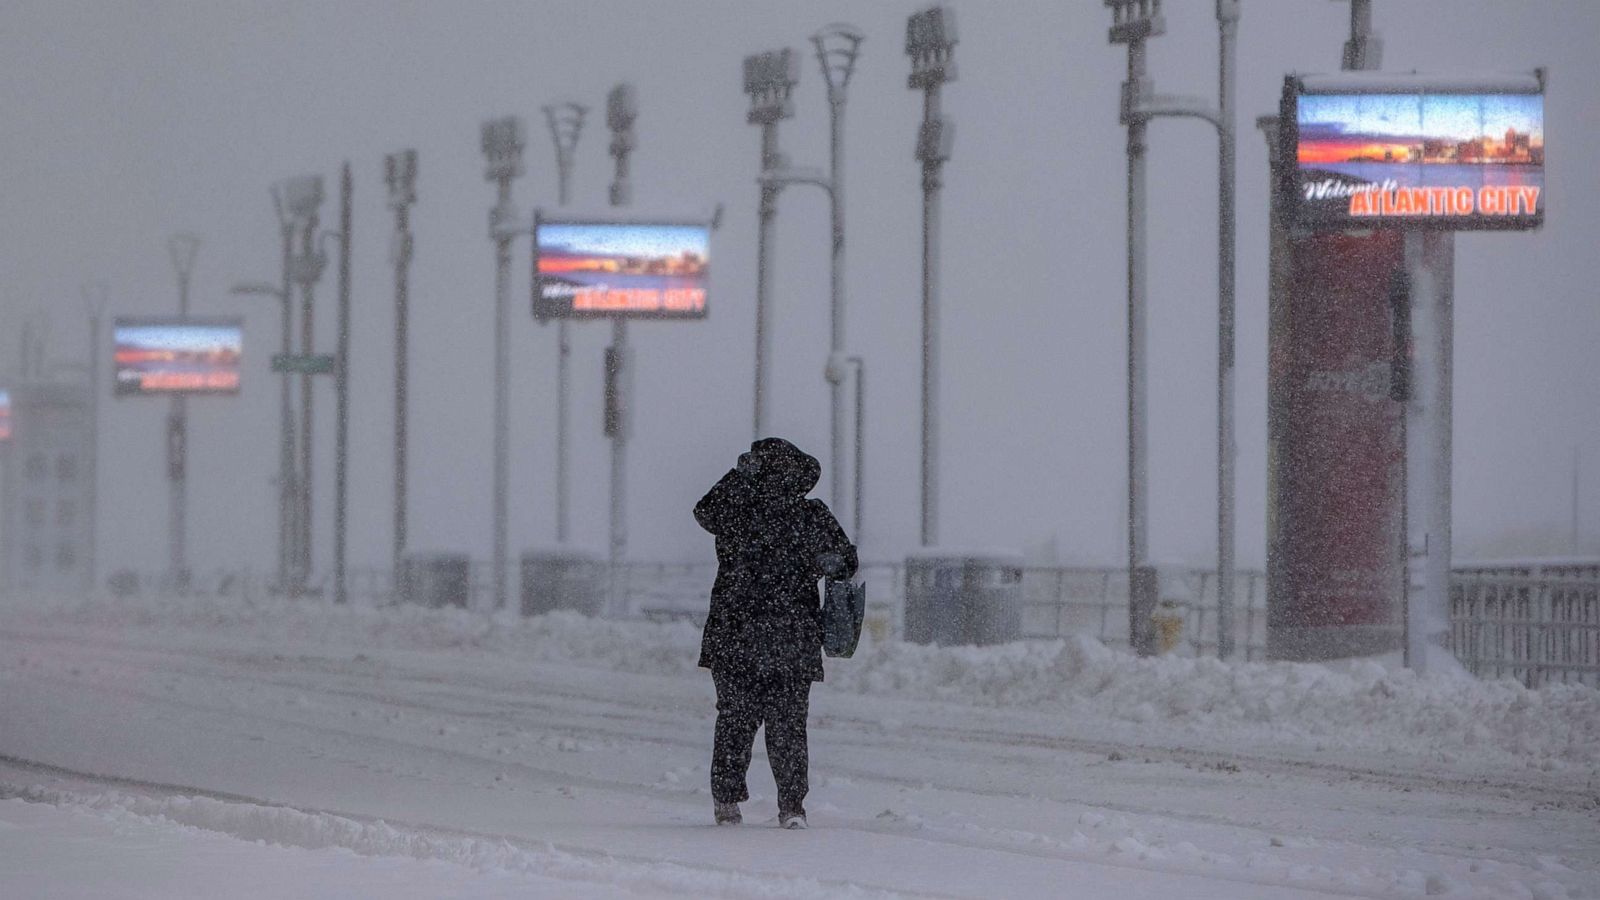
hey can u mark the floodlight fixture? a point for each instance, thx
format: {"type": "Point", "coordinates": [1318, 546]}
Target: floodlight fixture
{"type": "Point", "coordinates": [503, 140]}
{"type": "Point", "coordinates": [400, 174]}
{"type": "Point", "coordinates": [566, 123]}
{"type": "Point", "coordinates": [769, 79]}
{"type": "Point", "coordinates": [837, 45]}
{"type": "Point", "coordinates": [1134, 20]}
{"type": "Point", "coordinates": [622, 107]}
{"type": "Point", "coordinates": [302, 196]}
{"type": "Point", "coordinates": [930, 42]}
{"type": "Point", "coordinates": [183, 248]}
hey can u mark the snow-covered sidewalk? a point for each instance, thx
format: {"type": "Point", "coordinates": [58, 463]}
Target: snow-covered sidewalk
{"type": "Point", "coordinates": [67, 849]}
{"type": "Point", "coordinates": [575, 750]}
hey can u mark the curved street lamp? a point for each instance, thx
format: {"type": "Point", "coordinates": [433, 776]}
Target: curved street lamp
{"type": "Point", "coordinates": [837, 47]}
{"type": "Point", "coordinates": [182, 249]}
{"type": "Point", "coordinates": [566, 125]}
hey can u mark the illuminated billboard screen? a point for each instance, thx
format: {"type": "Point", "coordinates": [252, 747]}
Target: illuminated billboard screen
{"type": "Point", "coordinates": [1368, 150]}
{"type": "Point", "coordinates": [177, 356]}
{"type": "Point", "coordinates": [5, 416]}
{"type": "Point", "coordinates": [630, 269]}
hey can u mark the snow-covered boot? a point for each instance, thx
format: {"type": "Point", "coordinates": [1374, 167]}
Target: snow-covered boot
{"type": "Point", "coordinates": [727, 813]}
{"type": "Point", "coordinates": [792, 820]}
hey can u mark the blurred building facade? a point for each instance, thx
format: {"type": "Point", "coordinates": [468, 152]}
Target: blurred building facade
{"type": "Point", "coordinates": [45, 490]}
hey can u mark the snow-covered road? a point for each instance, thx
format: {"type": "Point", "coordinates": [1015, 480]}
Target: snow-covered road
{"type": "Point", "coordinates": [580, 769]}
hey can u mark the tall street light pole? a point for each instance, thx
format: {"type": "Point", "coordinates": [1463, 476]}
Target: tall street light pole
{"type": "Point", "coordinates": [286, 464]}
{"type": "Point", "coordinates": [1227, 230]}
{"type": "Point", "coordinates": [400, 175]}
{"type": "Point", "coordinates": [1573, 535]}
{"type": "Point", "coordinates": [288, 468]}
{"type": "Point", "coordinates": [341, 435]}
{"type": "Point", "coordinates": [503, 141]}
{"type": "Point", "coordinates": [837, 47]}
{"type": "Point", "coordinates": [769, 79]}
{"type": "Point", "coordinates": [1134, 21]}
{"type": "Point", "coordinates": [182, 248]}
{"type": "Point", "coordinates": [622, 109]}
{"type": "Point", "coordinates": [930, 42]}
{"type": "Point", "coordinates": [566, 124]}
{"type": "Point", "coordinates": [287, 479]}
{"type": "Point", "coordinates": [95, 301]}
{"type": "Point", "coordinates": [303, 197]}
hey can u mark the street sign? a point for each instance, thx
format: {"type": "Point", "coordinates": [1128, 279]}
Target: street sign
{"type": "Point", "coordinates": [314, 364]}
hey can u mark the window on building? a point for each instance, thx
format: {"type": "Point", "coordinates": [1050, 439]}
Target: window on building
{"type": "Point", "coordinates": [67, 467]}
{"type": "Point", "coordinates": [66, 513]}
{"type": "Point", "coordinates": [36, 467]}
{"type": "Point", "coordinates": [33, 512]}
{"type": "Point", "coordinates": [66, 557]}
{"type": "Point", "coordinates": [33, 558]}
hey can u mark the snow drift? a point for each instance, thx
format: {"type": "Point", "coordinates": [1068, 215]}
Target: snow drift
{"type": "Point", "coordinates": [1358, 706]}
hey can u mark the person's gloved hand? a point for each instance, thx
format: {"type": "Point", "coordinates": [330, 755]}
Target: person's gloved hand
{"type": "Point", "coordinates": [831, 564]}
{"type": "Point", "coordinates": [749, 465]}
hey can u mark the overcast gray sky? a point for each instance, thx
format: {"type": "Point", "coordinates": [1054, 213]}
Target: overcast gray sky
{"type": "Point", "coordinates": [125, 122]}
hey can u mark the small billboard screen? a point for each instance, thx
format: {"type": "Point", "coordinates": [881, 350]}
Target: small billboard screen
{"type": "Point", "coordinates": [631, 269]}
{"type": "Point", "coordinates": [177, 356]}
{"type": "Point", "coordinates": [5, 415]}
{"type": "Point", "coordinates": [1413, 152]}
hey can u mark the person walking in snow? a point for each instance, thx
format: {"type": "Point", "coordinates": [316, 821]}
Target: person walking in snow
{"type": "Point", "coordinates": [763, 634]}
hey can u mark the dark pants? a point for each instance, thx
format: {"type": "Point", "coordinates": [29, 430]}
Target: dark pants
{"type": "Point", "coordinates": [745, 704]}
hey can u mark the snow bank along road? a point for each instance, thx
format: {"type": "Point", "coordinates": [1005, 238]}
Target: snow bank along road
{"type": "Point", "coordinates": [392, 751]}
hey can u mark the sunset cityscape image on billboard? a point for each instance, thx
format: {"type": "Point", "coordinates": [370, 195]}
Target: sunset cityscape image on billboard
{"type": "Point", "coordinates": [605, 269]}
{"type": "Point", "coordinates": [5, 416]}
{"type": "Point", "coordinates": [169, 356]}
{"type": "Point", "coordinates": [1428, 159]}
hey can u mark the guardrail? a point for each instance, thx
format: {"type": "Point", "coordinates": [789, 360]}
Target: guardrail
{"type": "Point", "coordinates": [1535, 621]}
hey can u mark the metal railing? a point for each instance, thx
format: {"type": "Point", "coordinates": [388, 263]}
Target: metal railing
{"type": "Point", "coordinates": [1534, 620]}
{"type": "Point", "coordinates": [1062, 600]}
{"type": "Point", "coordinates": [1057, 601]}
{"type": "Point", "coordinates": [1537, 621]}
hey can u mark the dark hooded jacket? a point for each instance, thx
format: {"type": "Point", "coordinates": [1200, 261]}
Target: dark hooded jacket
{"type": "Point", "coordinates": [773, 544]}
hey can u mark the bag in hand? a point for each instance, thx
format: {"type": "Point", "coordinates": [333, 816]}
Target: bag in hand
{"type": "Point", "coordinates": [843, 608]}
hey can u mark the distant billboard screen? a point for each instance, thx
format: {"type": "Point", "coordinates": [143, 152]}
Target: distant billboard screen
{"type": "Point", "coordinates": [5, 416]}
{"type": "Point", "coordinates": [1413, 152]}
{"type": "Point", "coordinates": [177, 356]}
{"type": "Point", "coordinates": [626, 269]}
